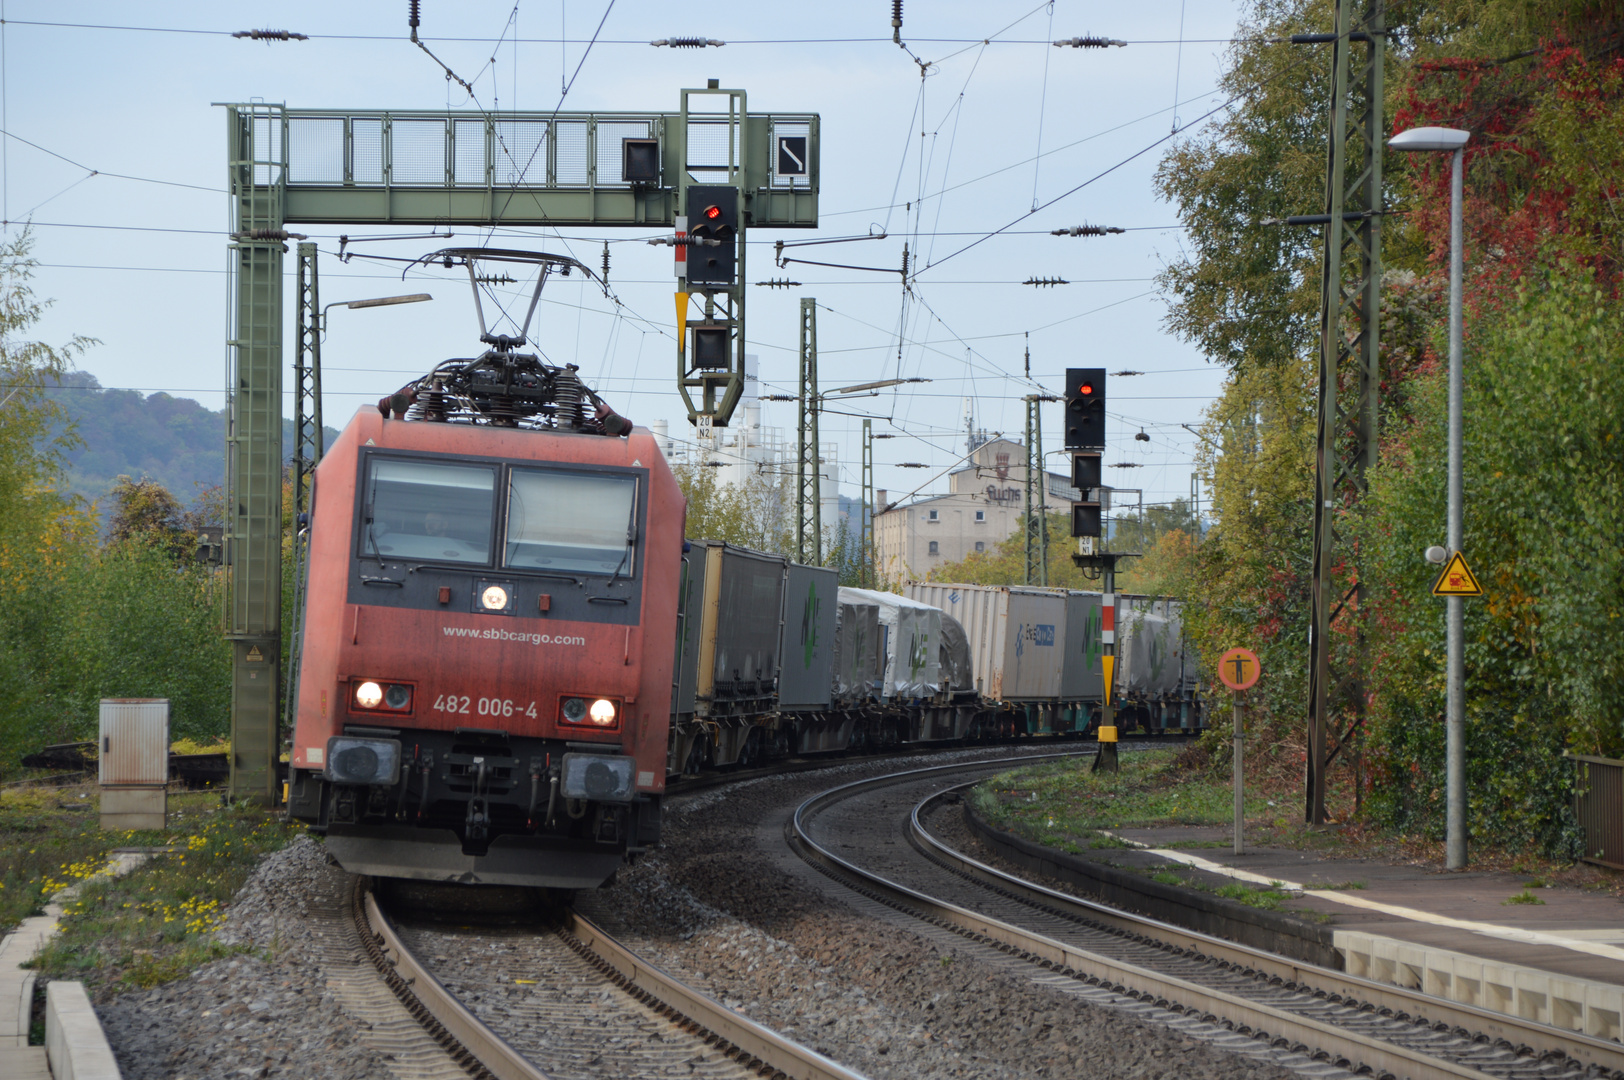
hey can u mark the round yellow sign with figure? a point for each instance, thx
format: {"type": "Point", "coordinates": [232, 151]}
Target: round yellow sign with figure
{"type": "Point", "coordinates": [1239, 668]}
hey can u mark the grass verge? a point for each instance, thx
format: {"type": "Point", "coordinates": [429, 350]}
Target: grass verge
{"type": "Point", "coordinates": [154, 924]}
{"type": "Point", "coordinates": [1065, 805]}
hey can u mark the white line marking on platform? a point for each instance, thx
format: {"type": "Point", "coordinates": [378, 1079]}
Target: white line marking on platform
{"type": "Point", "coordinates": [1579, 940]}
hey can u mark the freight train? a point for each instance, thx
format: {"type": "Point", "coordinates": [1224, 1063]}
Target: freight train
{"type": "Point", "coordinates": [507, 644]}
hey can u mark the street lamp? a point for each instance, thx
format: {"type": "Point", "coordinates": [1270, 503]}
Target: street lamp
{"type": "Point", "coordinates": [308, 439]}
{"type": "Point", "coordinates": [377, 301]}
{"type": "Point", "coordinates": [1451, 141]}
{"type": "Point", "coordinates": [811, 487]}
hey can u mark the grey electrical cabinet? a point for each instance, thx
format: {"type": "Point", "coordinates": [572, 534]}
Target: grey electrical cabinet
{"type": "Point", "coordinates": [134, 763]}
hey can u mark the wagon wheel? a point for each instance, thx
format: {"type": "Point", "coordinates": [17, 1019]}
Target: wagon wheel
{"type": "Point", "coordinates": [751, 748]}
{"type": "Point", "coordinates": [697, 755]}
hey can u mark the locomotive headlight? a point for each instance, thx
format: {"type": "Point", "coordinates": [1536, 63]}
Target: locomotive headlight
{"type": "Point", "coordinates": [494, 598]}
{"type": "Point", "coordinates": [603, 711]}
{"type": "Point", "coordinates": [398, 697]}
{"type": "Point", "coordinates": [574, 710]}
{"type": "Point", "coordinates": [369, 695]}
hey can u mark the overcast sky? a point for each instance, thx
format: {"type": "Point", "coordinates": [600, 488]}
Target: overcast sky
{"type": "Point", "coordinates": [1001, 121]}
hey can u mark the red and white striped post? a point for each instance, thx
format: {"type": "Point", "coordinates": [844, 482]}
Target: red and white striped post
{"type": "Point", "coordinates": [1106, 759]}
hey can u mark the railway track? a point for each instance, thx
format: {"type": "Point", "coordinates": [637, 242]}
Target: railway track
{"type": "Point", "coordinates": [1310, 1019]}
{"type": "Point", "coordinates": [572, 1003]}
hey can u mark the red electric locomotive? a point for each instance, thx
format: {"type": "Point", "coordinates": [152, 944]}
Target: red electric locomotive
{"type": "Point", "coordinates": [485, 672]}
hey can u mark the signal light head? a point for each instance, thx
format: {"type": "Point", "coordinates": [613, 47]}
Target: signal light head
{"type": "Point", "coordinates": [1086, 389]}
{"type": "Point", "coordinates": [713, 212]}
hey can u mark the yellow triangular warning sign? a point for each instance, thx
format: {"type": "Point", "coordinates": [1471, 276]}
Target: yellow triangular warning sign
{"type": "Point", "coordinates": [1109, 663]}
{"type": "Point", "coordinates": [1457, 579]}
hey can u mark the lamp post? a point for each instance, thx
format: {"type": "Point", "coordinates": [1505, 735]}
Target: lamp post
{"type": "Point", "coordinates": [1451, 141]}
{"type": "Point", "coordinates": [809, 488]}
{"type": "Point", "coordinates": [308, 441]}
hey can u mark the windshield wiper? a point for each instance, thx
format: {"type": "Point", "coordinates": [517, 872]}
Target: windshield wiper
{"type": "Point", "coordinates": [372, 525]}
{"type": "Point", "coordinates": [631, 538]}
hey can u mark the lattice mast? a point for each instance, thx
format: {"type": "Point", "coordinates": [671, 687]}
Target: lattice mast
{"type": "Point", "coordinates": [1346, 444]}
{"type": "Point", "coordinates": [1037, 508]}
{"type": "Point", "coordinates": [808, 471]}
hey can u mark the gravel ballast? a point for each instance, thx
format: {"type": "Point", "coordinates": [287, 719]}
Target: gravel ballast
{"type": "Point", "coordinates": [268, 1013]}
{"type": "Point", "coordinates": [721, 904]}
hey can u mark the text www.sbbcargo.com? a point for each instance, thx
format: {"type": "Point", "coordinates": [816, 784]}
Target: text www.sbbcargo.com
{"type": "Point", "coordinates": [496, 634]}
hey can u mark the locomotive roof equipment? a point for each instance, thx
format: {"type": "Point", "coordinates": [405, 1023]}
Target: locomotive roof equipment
{"type": "Point", "coordinates": [504, 387]}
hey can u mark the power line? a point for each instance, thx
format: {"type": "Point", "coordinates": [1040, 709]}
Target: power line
{"type": "Point", "coordinates": [608, 41]}
{"type": "Point", "coordinates": [103, 172]}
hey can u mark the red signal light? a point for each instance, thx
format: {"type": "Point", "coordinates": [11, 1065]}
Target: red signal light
{"type": "Point", "coordinates": [713, 212]}
{"type": "Point", "coordinates": [1086, 389]}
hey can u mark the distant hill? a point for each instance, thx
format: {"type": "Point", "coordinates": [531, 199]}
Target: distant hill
{"type": "Point", "coordinates": [175, 441]}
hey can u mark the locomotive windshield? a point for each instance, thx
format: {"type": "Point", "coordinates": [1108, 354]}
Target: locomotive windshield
{"type": "Point", "coordinates": [429, 511]}
{"type": "Point", "coordinates": [571, 522]}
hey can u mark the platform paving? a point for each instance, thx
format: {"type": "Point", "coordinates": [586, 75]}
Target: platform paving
{"type": "Point", "coordinates": [81, 1036]}
{"type": "Point", "coordinates": [1450, 933]}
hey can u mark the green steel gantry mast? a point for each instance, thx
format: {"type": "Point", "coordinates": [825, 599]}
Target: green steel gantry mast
{"type": "Point", "coordinates": [434, 168]}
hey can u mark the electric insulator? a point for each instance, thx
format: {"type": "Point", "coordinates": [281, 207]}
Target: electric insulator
{"type": "Point", "coordinates": [688, 42]}
{"type": "Point", "coordinates": [271, 35]}
{"type": "Point", "coordinates": [414, 9]}
{"type": "Point", "coordinates": [1086, 230]}
{"type": "Point", "coordinates": [1089, 41]}
{"type": "Point", "coordinates": [896, 21]}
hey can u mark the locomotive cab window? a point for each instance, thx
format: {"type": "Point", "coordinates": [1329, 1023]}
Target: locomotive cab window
{"type": "Point", "coordinates": [428, 511]}
{"type": "Point", "coordinates": [571, 522]}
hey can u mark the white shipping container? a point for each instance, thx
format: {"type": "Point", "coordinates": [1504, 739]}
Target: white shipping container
{"type": "Point", "coordinates": [1150, 646]}
{"type": "Point", "coordinates": [913, 633]}
{"type": "Point", "coordinates": [1017, 635]}
{"type": "Point", "coordinates": [134, 742]}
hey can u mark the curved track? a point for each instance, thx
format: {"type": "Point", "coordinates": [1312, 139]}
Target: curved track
{"type": "Point", "coordinates": [1310, 1019]}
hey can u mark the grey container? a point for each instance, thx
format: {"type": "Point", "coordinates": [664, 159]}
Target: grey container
{"type": "Point", "coordinates": [807, 650]}
{"type": "Point", "coordinates": [859, 647]}
{"type": "Point", "coordinates": [739, 616]}
{"type": "Point", "coordinates": [1082, 674]}
{"type": "Point", "coordinates": [690, 597]}
{"type": "Point", "coordinates": [1016, 636]}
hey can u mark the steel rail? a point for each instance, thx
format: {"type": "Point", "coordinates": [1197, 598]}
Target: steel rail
{"type": "Point", "coordinates": [1515, 1031]}
{"type": "Point", "coordinates": [679, 1002]}
{"type": "Point", "coordinates": [752, 1039]}
{"type": "Point", "coordinates": [1263, 1022]}
{"type": "Point", "coordinates": [484, 1045]}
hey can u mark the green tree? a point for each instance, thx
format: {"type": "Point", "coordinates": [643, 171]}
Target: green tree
{"type": "Point", "coordinates": [144, 512]}
{"type": "Point", "coordinates": [1538, 83]}
{"type": "Point", "coordinates": [757, 514]}
{"type": "Point", "coordinates": [79, 622]}
{"type": "Point", "coordinates": [1544, 505]}
{"type": "Point", "coordinates": [1244, 292]}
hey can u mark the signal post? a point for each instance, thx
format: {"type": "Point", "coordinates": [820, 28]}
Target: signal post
{"type": "Point", "coordinates": [1085, 438]}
